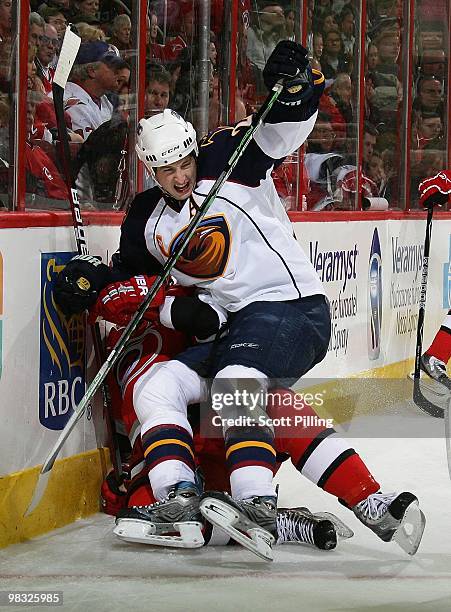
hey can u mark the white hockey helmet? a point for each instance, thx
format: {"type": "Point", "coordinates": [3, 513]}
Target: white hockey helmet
{"type": "Point", "coordinates": [164, 139]}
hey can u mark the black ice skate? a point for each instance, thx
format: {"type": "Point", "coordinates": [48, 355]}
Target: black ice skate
{"type": "Point", "coordinates": [175, 521]}
{"type": "Point", "coordinates": [299, 525]}
{"type": "Point", "coordinates": [393, 517]}
{"type": "Point", "coordinates": [436, 369]}
{"type": "Point", "coordinates": [250, 522]}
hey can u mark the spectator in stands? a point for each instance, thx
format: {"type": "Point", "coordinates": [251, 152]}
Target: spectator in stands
{"type": "Point", "coordinates": [322, 137]}
{"type": "Point", "coordinates": [60, 5]}
{"type": "Point", "coordinates": [323, 163]}
{"type": "Point", "coordinates": [120, 35]}
{"type": "Point", "coordinates": [42, 176]}
{"type": "Point", "coordinates": [370, 135]}
{"type": "Point", "coordinates": [388, 43]}
{"type": "Point", "coordinates": [268, 28]}
{"type": "Point", "coordinates": [430, 96]}
{"type": "Point", "coordinates": [347, 27]}
{"type": "Point", "coordinates": [157, 90]}
{"type": "Point", "coordinates": [430, 162]}
{"type": "Point", "coordinates": [93, 75]}
{"type": "Point", "coordinates": [337, 104]}
{"type": "Point", "coordinates": [318, 46]}
{"type": "Point", "coordinates": [328, 23]}
{"type": "Point", "coordinates": [36, 29]}
{"type": "Point", "coordinates": [90, 33]}
{"type": "Point", "coordinates": [213, 52]}
{"type": "Point", "coordinates": [431, 36]}
{"type": "Point", "coordinates": [56, 18]}
{"type": "Point", "coordinates": [428, 131]}
{"type": "Point", "coordinates": [333, 60]}
{"type": "Point", "coordinates": [290, 24]}
{"type": "Point", "coordinates": [5, 20]}
{"type": "Point", "coordinates": [6, 64]}
{"type": "Point", "coordinates": [433, 63]}
{"type": "Point", "coordinates": [372, 58]}
{"type": "Point", "coordinates": [376, 172]}
{"type": "Point", "coordinates": [85, 10]}
{"type": "Point", "coordinates": [45, 57]}
{"type": "Point", "coordinates": [119, 95]}
{"type": "Point", "coordinates": [155, 51]}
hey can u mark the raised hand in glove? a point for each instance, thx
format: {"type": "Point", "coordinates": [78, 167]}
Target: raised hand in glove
{"type": "Point", "coordinates": [435, 190]}
{"type": "Point", "coordinates": [289, 62]}
{"type": "Point", "coordinates": [119, 301]}
{"type": "Point", "coordinates": [77, 286]}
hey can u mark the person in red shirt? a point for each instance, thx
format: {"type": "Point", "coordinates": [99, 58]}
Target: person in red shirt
{"type": "Point", "coordinates": [43, 177]}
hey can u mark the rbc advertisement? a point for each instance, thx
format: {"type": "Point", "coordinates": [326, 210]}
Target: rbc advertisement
{"type": "Point", "coordinates": [62, 351]}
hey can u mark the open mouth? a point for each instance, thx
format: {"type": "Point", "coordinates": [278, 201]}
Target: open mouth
{"type": "Point", "coordinates": [182, 189]}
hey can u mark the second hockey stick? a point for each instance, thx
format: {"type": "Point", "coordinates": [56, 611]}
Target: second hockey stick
{"type": "Point", "coordinates": [420, 400]}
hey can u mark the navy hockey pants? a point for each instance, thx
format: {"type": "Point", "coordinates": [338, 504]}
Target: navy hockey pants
{"type": "Point", "coordinates": [283, 340]}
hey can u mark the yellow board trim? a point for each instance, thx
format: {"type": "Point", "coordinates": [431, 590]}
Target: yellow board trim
{"type": "Point", "coordinates": [168, 441]}
{"type": "Point", "coordinates": [239, 445]}
{"type": "Point", "coordinates": [73, 492]}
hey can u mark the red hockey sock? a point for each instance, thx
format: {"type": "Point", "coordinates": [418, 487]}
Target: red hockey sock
{"type": "Point", "coordinates": [317, 452]}
{"type": "Point", "coordinates": [441, 345]}
{"type": "Point", "coordinates": [351, 481]}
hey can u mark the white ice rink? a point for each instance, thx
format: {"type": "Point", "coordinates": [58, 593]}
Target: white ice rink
{"type": "Point", "coordinates": [97, 572]}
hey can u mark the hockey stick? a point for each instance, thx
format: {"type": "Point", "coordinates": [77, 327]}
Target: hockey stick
{"type": "Point", "coordinates": [418, 397]}
{"type": "Point", "coordinates": [68, 53]}
{"type": "Point", "coordinates": [167, 268]}
{"type": "Point", "coordinates": [58, 87]}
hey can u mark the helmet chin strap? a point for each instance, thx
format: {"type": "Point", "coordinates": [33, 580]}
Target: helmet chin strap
{"type": "Point", "coordinates": [169, 199]}
{"type": "Point", "coordinates": [173, 202]}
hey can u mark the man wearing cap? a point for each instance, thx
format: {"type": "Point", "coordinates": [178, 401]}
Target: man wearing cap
{"type": "Point", "coordinates": [93, 75]}
{"type": "Point", "coordinates": [95, 72]}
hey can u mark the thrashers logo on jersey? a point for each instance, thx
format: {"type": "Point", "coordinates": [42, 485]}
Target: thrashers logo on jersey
{"type": "Point", "coordinates": [207, 253]}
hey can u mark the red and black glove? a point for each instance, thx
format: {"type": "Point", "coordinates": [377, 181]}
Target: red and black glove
{"type": "Point", "coordinates": [119, 301]}
{"type": "Point", "coordinates": [435, 191]}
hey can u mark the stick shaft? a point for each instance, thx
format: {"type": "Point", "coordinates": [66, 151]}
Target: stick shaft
{"type": "Point", "coordinates": [420, 400]}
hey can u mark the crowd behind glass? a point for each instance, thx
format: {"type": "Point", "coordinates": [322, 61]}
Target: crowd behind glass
{"type": "Point", "coordinates": [324, 172]}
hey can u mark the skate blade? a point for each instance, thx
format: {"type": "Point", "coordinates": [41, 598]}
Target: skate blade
{"type": "Point", "coordinates": [409, 533]}
{"type": "Point", "coordinates": [142, 532]}
{"type": "Point", "coordinates": [343, 531]}
{"type": "Point", "coordinates": [221, 515]}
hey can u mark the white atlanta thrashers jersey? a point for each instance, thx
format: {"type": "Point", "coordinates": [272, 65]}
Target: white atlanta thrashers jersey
{"type": "Point", "coordinates": [244, 249]}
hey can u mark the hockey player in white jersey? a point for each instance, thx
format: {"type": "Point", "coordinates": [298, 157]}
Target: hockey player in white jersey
{"type": "Point", "coordinates": [245, 257]}
{"type": "Point", "coordinates": [248, 266]}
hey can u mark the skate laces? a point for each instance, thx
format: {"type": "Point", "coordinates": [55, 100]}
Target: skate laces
{"type": "Point", "coordinates": [294, 528]}
{"type": "Point", "coordinates": [375, 505]}
{"type": "Point", "coordinates": [434, 366]}
{"type": "Point", "coordinates": [437, 364]}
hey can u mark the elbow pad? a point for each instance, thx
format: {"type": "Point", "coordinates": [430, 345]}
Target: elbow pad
{"type": "Point", "coordinates": [190, 315]}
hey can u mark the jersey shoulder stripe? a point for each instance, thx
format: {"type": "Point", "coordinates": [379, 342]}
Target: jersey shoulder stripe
{"type": "Point", "coordinates": [133, 256]}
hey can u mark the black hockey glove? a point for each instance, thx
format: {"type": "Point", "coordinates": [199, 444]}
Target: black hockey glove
{"type": "Point", "coordinates": [78, 285]}
{"type": "Point", "coordinates": [289, 62]}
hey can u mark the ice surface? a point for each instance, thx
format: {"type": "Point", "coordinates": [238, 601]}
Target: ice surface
{"type": "Point", "coordinates": [97, 572]}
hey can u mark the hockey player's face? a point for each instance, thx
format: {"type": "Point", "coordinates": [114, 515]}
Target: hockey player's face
{"type": "Point", "coordinates": [179, 178]}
